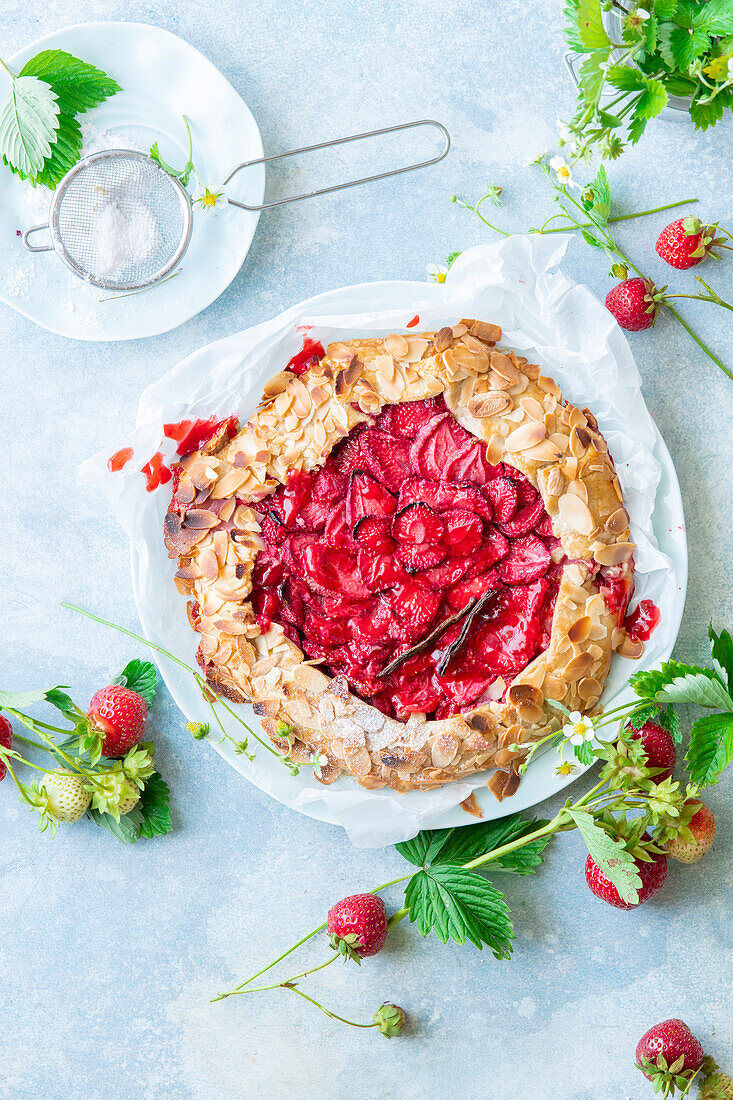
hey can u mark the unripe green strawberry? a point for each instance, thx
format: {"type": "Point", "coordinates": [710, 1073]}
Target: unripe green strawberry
{"type": "Point", "coordinates": [68, 798]}
{"type": "Point", "coordinates": [390, 1019]}
{"type": "Point", "coordinates": [129, 799]}
{"type": "Point", "coordinates": [692, 842]}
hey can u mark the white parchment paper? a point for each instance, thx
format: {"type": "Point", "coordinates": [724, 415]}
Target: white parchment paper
{"type": "Point", "coordinates": [544, 316]}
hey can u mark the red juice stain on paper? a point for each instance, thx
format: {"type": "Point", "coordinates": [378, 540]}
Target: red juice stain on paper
{"type": "Point", "coordinates": [190, 435]}
{"type": "Point", "coordinates": [119, 459]}
{"type": "Point", "coordinates": [155, 472]}
{"type": "Point", "coordinates": [642, 621]}
{"type": "Point", "coordinates": [415, 321]}
{"type": "Point", "coordinates": [311, 351]}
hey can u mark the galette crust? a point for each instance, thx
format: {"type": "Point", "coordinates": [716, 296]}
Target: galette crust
{"type": "Point", "coordinates": [501, 399]}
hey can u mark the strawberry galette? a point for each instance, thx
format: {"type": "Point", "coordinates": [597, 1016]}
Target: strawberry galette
{"type": "Point", "coordinates": [404, 556]}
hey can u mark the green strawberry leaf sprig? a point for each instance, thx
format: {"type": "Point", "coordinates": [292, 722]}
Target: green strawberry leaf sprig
{"type": "Point", "coordinates": [40, 133]}
{"type": "Point", "coordinates": [634, 815]}
{"type": "Point", "coordinates": [681, 48]}
{"type": "Point", "coordinates": [123, 792]}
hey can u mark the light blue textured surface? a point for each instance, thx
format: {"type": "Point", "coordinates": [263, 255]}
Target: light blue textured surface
{"type": "Point", "coordinates": [109, 954]}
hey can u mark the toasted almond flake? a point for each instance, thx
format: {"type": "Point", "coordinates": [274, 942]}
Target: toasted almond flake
{"type": "Point", "coordinates": [557, 554]}
{"type": "Point", "coordinates": [459, 330]}
{"type": "Point", "coordinates": [543, 452]}
{"type": "Point", "coordinates": [397, 346]}
{"type": "Point", "coordinates": [209, 564]}
{"type": "Point", "coordinates": [525, 695]}
{"type": "Point", "coordinates": [200, 519]}
{"type": "Point", "coordinates": [227, 510]}
{"type": "Point", "coordinates": [339, 352]}
{"type": "Point", "coordinates": [497, 381]}
{"type": "Point", "coordinates": [277, 383]}
{"type": "Point", "coordinates": [230, 483]}
{"type": "Point", "coordinates": [617, 522]}
{"type": "Point", "coordinates": [548, 385]}
{"type": "Point", "coordinates": [531, 370]}
{"type": "Point", "coordinates": [580, 630]}
{"type": "Point", "coordinates": [578, 489]}
{"type": "Point", "coordinates": [532, 407]}
{"type": "Point", "coordinates": [488, 404]}
{"type": "Point", "coordinates": [416, 348]}
{"type": "Point", "coordinates": [554, 687]}
{"type": "Point", "coordinates": [615, 554]}
{"type": "Point", "coordinates": [561, 441]}
{"type": "Point", "coordinates": [484, 330]}
{"type": "Point", "coordinates": [577, 667]}
{"type": "Point", "coordinates": [528, 435]}
{"type": "Point", "coordinates": [495, 449]}
{"type": "Point", "coordinates": [443, 338]}
{"type": "Point", "coordinates": [617, 488]}
{"type": "Point", "coordinates": [555, 482]}
{"type": "Point", "coordinates": [629, 648]}
{"type": "Point", "coordinates": [504, 367]}
{"type": "Point", "coordinates": [575, 513]}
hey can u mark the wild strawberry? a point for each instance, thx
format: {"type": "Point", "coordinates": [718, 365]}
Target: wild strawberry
{"type": "Point", "coordinates": [652, 880]}
{"type": "Point", "coordinates": [358, 926]}
{"type": "Point", "coordinates": [658, 747]}
{"type": "Point", "coordinates": [120, 715]}
{"type": "Point", "coordinates": [666, 1051]}
{"type": "Point", "coordinates": [390, 1019]}
{"type": "Point", "coordinates": [694, 840]}
{"type": "Point", "coordinates": [372, 532]}
{"type": "Point", "coordinates": [686, 242]}
{"type": "Point", "coordinates": [67, 794]}
{"type": "Point", "coordinates": [633, 304]}
{"type": "Point", "coordinates": [6, 742]}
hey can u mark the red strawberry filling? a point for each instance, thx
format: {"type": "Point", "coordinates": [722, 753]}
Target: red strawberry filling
{"type": "Point", "coordinates": [405, 525]}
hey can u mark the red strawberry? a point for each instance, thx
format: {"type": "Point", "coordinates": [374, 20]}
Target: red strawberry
{"type": "Point", "coordinates": [372, 532]}
{"type": "Point", "coordinates": [502, 492]}
{"type": "Point", "coordinates": [633, 304]}
{"type": "Point", "coordinates": [528, 558]}
{"type": "Point", "coordinates": [121, 716]}
{"type": "Point", "coordinates": [688, 849]}
{"type": "Point", "coordinates": [386, 457]}
{"type": "Point", "coordinates": [409, 418]}
{"type": "Point", "coordinates": [419, 556]}
{"type": "Point", "coordinates": [525, 519]}
{"type": "Point", "coordinates": [463, 530]}
{"type": "Point", "coordinates": [417, 523]}
{"type": "Point", "coordinates": [686, 242]}
{"type": "Point", "coordinates": [366, 497]}
{"type": "Point", "coordinates": [379, 571]}
{"type": "Point", "coordinates": [6, 741]}
{"type": "Point", "coordinates": [659, 748]}
{"type": "Point", "coordinates": [652, 880]}
{"type": "Point", "coordinates": [273, 532]}
{"type": "Point", "coordinates": [358, 926]}
{"type": "Point", "coordinates": [415, 603]}
{"type": "Point", "coordinates": [662, 1046]}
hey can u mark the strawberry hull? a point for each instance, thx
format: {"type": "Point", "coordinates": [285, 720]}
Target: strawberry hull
{"type": "Point", "coordinates": [402, 530]}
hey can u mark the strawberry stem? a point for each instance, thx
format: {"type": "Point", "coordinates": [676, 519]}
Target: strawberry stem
{"type": "Point", "coordinates": [326, 1011]}
{"type": "Point", "coordinates": [697, 340]}
{"type": "Point", "coordinates": [616, 217]}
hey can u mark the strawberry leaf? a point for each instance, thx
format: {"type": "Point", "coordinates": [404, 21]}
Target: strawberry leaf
{"type": "Point", "coordinates": [127, 829]}
{"type": "Point", "coordinates": [139, 676]}
{"type": "Point", "coordinates": [593, 74]}
{"type": "Point", "coordinates": [585, 30]}
{"type": "Point", "coordinates": [664, 9]}
{"type": "Point", "coordinates": [424, 847]}
{"type": "Point", "coordinates": [722, 651]}
{"type": "Point", "coordinates": [653, 98]}
{"type": "Point", "coordinates": [28, 124]}
{"type": "Point", "coordinates": [18, 700]}
{"type": "Point", "coordinates": [154, 807]}
{"type": "Point", "coordinates": [680, 46]}
{"type": "Point", "coordinates": [679, 683]}
{"type": "Point", "coordinates": [711, 748]}
{"type": "Point", "coordinates": [464, 845]}
{"type": "Point", "coordinates": [78, 85]}
{"type": "Point", "coordinates": [609, 855]}
{"type": "Point", "coordinates": [459, 905]}
{"type": "Point", "coordinates": [715, 17]}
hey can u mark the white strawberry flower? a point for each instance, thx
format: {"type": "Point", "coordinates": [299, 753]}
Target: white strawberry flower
{"type": "Point", "coordinates": [642, 14]}
{"type": "Point", "coordinates": [319, 762]}
{"type": "Point", "coordinates": [578, 729]}
{"type": "Point", "coordinates": [562, 172]}
{"type": "Point", "coordinates": [536, 158]}
{"type": "Point", "coordinates": [438, 272]}
{"type": "Point", "coordinates": [564, 131]}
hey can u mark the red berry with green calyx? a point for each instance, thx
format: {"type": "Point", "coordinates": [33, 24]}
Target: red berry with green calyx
{"type": "Point", "coordinates": [652, 877]}
{"type": "Point", "coordinates": [633, 303]}
{"type": "Point", "coordinates": [686, 242]}
{"type": "Point", "coordinates": [692, 842]}
{"type": "Point", "coordinates": [120, 715]}
{"type": "Point", "coordinates": [357, 926]}
{"type": "Point", "coordinates": [659, 748]}
{"type": "Point", "coordinates": [6, 742]}
{"type": "Point", "coordinates": [668, 1054]}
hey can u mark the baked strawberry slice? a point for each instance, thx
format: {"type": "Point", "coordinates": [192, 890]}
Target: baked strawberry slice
{"type": "Point", "coordinates": [527, 560]}
{"type": "Point", "coordinates": [329, 485]}
{"type": "Point", "coordinates": [418, 556]}
{"type": "Point", "coordinates": [417, 523]}
{"type": "Point", "coordinates": [502, 492]}
{"type": "Point", "coordinates": [525, 519]}
{"type": "Point", "coordinates": [386, 457]}
{"type": "Point", "coordinates": [379, 571]}
{"type": "Point", "coordinates": [273, 531]}
{"type": "Point", "coordinates": [443, 449]}
{"type": "Point", "coordinates": [544, 529]}
{"type": "Point", "coordinates": [448, 574]}
{"type": "Point", "coordinates": [470, 464]}
{"type": "Point", "coordinates": [526, 492]}
{"type": "Point", "coordinates": [462, 529]}
{"type": "Point", "coordinates": [459, 595]}
{"type": "Point", "coordinates": [347, 456]}
{"type": "Point", "coordinates": [407, 419]}
{"type": "Point", "coordinates": [493, 548]}
{"type": "Point", "coordinates": [415, 603]}
{"type": "Point", "coordinates": [366, 497]}
{"type": "Point", "coordinates": [332, 572]}
{"type": "Point", "coordinates": [373, 533]}
{"type": "Point", "coordinates": [315, 515]}
{"type": "Point", "coordinates": [441, 497]}
{"type": "Point", "coordinates": [337, 532]}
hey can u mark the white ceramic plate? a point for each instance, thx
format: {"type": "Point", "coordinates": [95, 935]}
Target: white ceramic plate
{"type": "Point", "coordinates": [540, 781]}
{"type": "Point", "coordinates": [162, 78]}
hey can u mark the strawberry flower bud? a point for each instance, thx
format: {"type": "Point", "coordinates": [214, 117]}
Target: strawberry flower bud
{"type": "Point", "coordinates": [390, 1019]}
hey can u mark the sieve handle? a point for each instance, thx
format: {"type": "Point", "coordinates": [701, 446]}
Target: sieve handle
{"type": "Point", "coordinates": [36, 247]}
{"type": "Point", "coordinates": [348, 183]}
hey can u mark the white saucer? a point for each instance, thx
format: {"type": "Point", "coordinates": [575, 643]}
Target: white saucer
{"type": "Point", "coordinates": [162, 78]}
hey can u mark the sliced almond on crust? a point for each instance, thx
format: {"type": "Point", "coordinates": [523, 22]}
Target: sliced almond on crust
{"type": "Point", "coordinates": [484, 330]}
{"type": "Point", "coordinates": [443, 339]}
{"type": "Point", "coordinates": [524, 437]}
{"type": "Point", "coordinates": [397, 346]}
{"type": "Point", "coordinates": [503, 366]}
{"type": "Point", "coordinates": [488, 404]}
{"type": "Point", "coordinates": [576, 513]}
{"type": "Point", "coordinates": [339, 352]}
{"type": "Point", "coordinates": [580, 629]}
{"type": "Point", "coordinates": [617, 522]}
{"type": "Point", "coordinates": [615, 554]}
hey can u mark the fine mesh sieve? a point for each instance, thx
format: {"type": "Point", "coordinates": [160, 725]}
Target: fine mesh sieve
{"type": "Point", "coordinates": [118, 220]}
{"type": "Point", "coordinates": [121, 222]}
